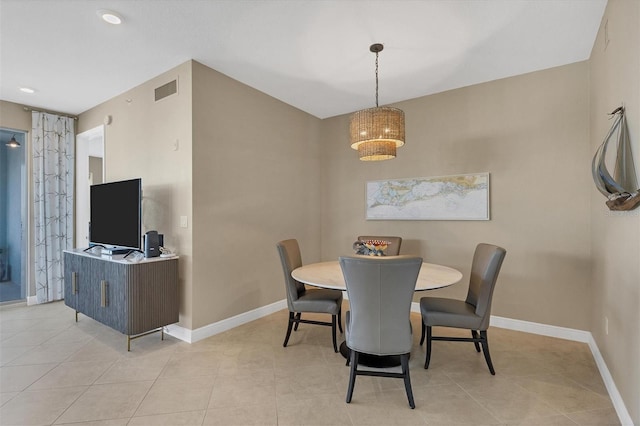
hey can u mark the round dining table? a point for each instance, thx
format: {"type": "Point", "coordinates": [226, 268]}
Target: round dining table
{"type": "Point", "coordinates": [329, 275]}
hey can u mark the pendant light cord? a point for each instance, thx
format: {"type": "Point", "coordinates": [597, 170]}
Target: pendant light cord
{"type": "Point", "coordinates": [376, 79]}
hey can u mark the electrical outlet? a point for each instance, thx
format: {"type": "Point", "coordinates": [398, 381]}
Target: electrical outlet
{"type": "Point", "coordinates": [184, 222]}
{"type": "Point", "coordinates": [606, 325]}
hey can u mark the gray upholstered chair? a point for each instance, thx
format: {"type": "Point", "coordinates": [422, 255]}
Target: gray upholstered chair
{"type": "Point", "coordinates": [300, 299]}
{"type": "Point", "coordinates": [393, 249]}
{"type": "Point", "coordinates": [380, 291]}
{"type": "Point", "coordinates": [471, 314]}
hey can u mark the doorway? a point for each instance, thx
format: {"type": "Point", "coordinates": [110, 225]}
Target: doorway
{"type": "Point", "coordinates": [13, 215]}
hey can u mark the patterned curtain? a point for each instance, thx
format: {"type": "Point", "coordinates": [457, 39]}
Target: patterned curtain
{"type": "Point", "coordinates": [53, 142]}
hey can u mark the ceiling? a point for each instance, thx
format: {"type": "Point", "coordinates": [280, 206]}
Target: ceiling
{"type": "Point", "coordinates": [312, 54]}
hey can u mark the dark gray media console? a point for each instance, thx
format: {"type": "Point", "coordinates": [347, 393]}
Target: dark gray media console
{"type": "Point", "coordinates": [134, 298]}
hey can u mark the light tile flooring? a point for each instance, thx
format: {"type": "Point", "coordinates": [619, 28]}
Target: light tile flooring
{"type": "Point", "coordinates": [56, 371]}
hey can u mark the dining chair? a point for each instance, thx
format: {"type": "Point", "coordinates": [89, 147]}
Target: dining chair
{"type": "Point", "coordinates": [380, 291]}
{"type": "Point", "coordinates": [471, 314]}
{"type": "Point", "coordinates": [301, 299]}
{"type": "Point", "coordinates": [393, 249]}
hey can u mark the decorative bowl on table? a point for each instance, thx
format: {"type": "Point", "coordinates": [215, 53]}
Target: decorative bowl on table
{"type": "Point", "coordinates": [370, 247]}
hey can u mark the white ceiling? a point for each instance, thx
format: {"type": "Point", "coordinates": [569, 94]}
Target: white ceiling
{"type": "Point", "coordinates": [312, 54]}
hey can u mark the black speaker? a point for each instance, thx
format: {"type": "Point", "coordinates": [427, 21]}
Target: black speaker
{"type": "Point", "coordinates": [151, 244]}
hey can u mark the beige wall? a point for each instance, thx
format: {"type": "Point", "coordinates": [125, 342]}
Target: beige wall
{"type": "Point", "coordinates": [252, 163]}
{"type": "Point", "coordinates": [13, 116]}
{"type": "Point", "coordinates": [531, 133]}
{"type": "Point", "coordinates": [141, 142]}
{"type": "Point", "coordinates": [615, 237]}
{"type": "Point", "coordinates": [256, 180]}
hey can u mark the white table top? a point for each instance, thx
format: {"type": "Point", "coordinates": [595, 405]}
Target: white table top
{"type": "Point", "coordinates": [329, 275]}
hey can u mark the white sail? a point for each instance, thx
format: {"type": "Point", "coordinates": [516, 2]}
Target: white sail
{"type": "Point", "coordinates": [625, 172]}
{"type": "Point", "coordinates": [621, 189]}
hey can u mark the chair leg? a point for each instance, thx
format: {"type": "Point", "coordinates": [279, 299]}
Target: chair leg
{"type": "Point", "coordinates": [474, 334]}
{"type": "Point", "coordinates": [289, 327]}
{"type": "Point", "coordinates": [298, 315]}
{"type": "Point", "coordinates": [340, 320]}
{"type": "Point", "coordinates": [422, 334]}
{"type": "Point", "coordinates": [333, 333]}
{"type": "Point", "coordinates": [404, 360]}
{"type": "Point", "coordinates": [352, 374]}
{"type": "Point", "coordinates": [485, 351]}
{"type": "Point", "coordinates": [428, 348]}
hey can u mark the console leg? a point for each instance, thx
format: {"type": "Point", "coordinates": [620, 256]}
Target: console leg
{"type": "Point", "coordinates": [130, 337]}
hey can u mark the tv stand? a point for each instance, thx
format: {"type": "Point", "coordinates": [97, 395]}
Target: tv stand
{"type": "Point", "coordinates": [134, 298]}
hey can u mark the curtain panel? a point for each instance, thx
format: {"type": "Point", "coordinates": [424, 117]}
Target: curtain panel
{"type": "Point", "coordinates": [53, 143]}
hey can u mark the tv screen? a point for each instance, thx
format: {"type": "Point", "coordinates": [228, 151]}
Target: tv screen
{"type": "Point", "coordinates": [115, 214]}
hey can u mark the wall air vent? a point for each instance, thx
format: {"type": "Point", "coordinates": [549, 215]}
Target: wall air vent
{"type": "Point", "coordinates": [166, 90]}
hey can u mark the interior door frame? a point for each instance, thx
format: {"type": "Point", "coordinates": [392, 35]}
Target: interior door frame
{"type": "Point", "coordinates": [88, 144]}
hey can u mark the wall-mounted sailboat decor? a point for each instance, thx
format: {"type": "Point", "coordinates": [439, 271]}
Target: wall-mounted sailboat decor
{"type": "Point", "coordinates": [621, 189]}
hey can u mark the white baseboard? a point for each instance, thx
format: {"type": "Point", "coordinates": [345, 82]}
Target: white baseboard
{"type": "Point", "coordinates": [567, 334]}
{"type": "Point", "coordinates": [541, 329]}
{"type": "Point", "coordinates": [212, 329]}
{"type": "Point", "coordinates": [32, 300]}
{"type": "Point", "coordinates": [577, 336]}
{"type": "Point", "coordinates": [192, 336]}
{"type": "Point", "coordinates": [616, 398]}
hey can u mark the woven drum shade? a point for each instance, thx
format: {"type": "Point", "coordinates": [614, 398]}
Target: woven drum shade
{"type": "Point", "coordinates": [377, 132]}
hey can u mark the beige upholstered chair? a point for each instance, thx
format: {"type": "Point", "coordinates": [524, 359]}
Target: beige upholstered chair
{"type": "Point", "coordinates": [301, 299]}
{"type": "Point", "coordinates": [471, 314]}
{"type": "Point", "coordinates": [393, 249]}
{"type": "Point", "coordinates": [380, 291]}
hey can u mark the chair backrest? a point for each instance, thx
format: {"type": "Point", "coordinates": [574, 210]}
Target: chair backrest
{"type": "Point", "coordinates": [380, 292]}
{"type": "Point", "coordinates": [487, 261]}
{"type": "Point", "coordinates": [393, 249]}
{"type": "Point", "coordinates": [291, 259]}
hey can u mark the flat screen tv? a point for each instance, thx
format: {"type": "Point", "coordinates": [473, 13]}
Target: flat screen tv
{"type": "Point", "coordinates": [116, 215]}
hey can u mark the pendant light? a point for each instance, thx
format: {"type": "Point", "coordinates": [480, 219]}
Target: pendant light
{"type": "Point", "coordinates": [13, 143]}
{"type": "Point", "coordinates": [377, 132]}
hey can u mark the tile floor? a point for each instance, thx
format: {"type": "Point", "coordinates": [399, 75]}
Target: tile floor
{"type": "Point", "coordinates": [56, 371]}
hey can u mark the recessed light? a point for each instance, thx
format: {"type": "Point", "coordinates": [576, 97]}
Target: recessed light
{"type": "Point", "coordinates": [26, 90]}
{"type": "Point", "coordinates": [110, 16]}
